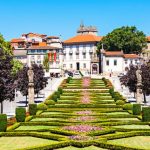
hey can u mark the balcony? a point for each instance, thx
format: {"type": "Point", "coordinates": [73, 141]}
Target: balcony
{"type": "Point", "coordinates": [84, 51]}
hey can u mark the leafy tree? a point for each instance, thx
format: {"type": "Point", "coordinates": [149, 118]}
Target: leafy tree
{"type": "Point", "coordinates": [17, 65]}
{"type": "Point", "coordinates": [5, 46]}
{"type": "Point", "coordinates": [126, 38]}
{"type": "Point", "coordinates": [46, 63]}
{"type": "Point", "coordinates": [7, 86]}
{"type": "Point", "coordinates": [130, 80]}
{"type": "Point", "coordinates": [39, 80]}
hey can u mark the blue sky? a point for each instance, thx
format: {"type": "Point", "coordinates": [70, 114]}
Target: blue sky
{"type": "Point", "coordinates": [63, 17]}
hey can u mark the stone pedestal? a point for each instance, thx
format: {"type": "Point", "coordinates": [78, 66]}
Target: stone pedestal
{"type": "Point", "coordinates": [31, 93]}
{"type": "Point", "coordinates": [139, 96]}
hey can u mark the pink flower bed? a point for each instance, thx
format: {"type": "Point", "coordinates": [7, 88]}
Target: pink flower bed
{"type": "Point", "coordinates": [80, 137]}
{"type": "Point", "coordinates": [85, 98]}
{"type": "Point", "coordinates": [83, 118]}
{"type": "Point", "coordinates": [82, 128]}
{"type": "Point", "coordinates": [86, 82]}
{"type": "Point", "coordinates": [85, 112]}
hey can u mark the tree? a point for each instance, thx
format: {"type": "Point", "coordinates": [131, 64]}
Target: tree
{"type": "Point", "coordinates": [7, 86]}
{"type": "Point", "coordinates": [46, 63]}
{"type": "Point", "coordinates": [39, 80]}
{"type": "Point", "coordinates": [130, 80]}
{"type": "Point", "coordinates": [17, 65]}
{"type": "Point", "coordinates": [128, 39]}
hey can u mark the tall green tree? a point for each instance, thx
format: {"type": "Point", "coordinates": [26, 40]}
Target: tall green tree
{"type": "Point", "coordinates": [17, 65]}
{"type": "Point", "coordinates": [46, 62]}
{"type": "Point", "coordinates": [126, 38]}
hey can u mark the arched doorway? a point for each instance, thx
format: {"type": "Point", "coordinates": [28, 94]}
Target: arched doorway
{"type": "Point", "coordinates": [94, 69]}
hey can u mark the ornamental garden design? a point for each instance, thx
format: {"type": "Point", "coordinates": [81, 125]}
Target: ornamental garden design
{"type": "Point", "coordinates": [82, 114]}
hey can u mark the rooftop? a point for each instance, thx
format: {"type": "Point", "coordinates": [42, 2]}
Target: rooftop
{"type": "Point", "coordinates": [42, 47]}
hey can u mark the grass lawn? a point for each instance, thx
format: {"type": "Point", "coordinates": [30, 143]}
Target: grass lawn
{"type": "Point", "coordinates": [125, 119]}
{"type": "Point", "coordinates": [133, 126]}
{"type": "Point", "coordinates": [13, 143]}
{"type": "Point", "coordinates": [35, 127]}
{"type": "Point", "coordinates": [141, 142]}
{"type": "Point", "coordinates": [118, 113]}
{"type": "Point", "coordinates": [46, 119]}
{"type": "Point", "coordinates": [86, 148]}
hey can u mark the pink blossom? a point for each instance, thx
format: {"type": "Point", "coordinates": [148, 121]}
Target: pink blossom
{"type": "Point", "coordinates": [85, 112]}
{"type": "Point", "coordinates": [80, 137]}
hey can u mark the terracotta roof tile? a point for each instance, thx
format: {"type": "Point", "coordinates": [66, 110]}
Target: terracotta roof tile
{"type": "Point", "coordinates": [52, 37]}
{"type": "Point", "coordinates": [131, 56]}
{"type": "Point", "coordinates": [83, 39]}
{"type": "Point", "coordinates": [113, 53]}
{"type": "Point", "coordinates": [148, 38]}
{"type": "Point", "coordinates": [17, 40]}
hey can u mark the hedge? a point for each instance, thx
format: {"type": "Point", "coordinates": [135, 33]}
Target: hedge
{"type": "Point", "coordinates": [136, 109]}
{"type": "Point", "coordinates": [127, 106]}
{"type": "Point", "coordinates": [13, 127]}
{"type": "Point", "coordinates": [20, 114]}
{"type": "Point", "coordinates": [54, 97]}
{"type": "Point", "coordinates": [60, 90]}
{"type": "Point", "coordinates": [146, 114]}
{"type": "Point", "coordinates": [42, 106]}
{"type": "Point", "coordinates": [3, 122]}
{"type": "Point", "coordinates": [32, 109]}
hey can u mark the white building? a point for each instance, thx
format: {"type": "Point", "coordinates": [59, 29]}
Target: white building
{"type": "Point", "coordinates": [80, 51]}
{"type": "Point", "coordinates": [116, 62]}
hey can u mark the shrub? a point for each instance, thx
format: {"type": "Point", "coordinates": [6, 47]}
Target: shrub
{"type": "Point", "coordinates": [120, 102]}
{"type": "Point", "coordinates": [49, 102]}
{"type": "Point", "coordinates": [58, 94]}
{"type": "Point", "coordinates": [127, 106]}
{"type": "Point", "coordinates": [68, 80]}
{"type": "Point", "coordinates": [41, 106]}
{"type": "Point", "coordinates": [20, 114]}
{"type": "Point", "coordinates": [146, 114]}
{"type": "Point", "coordinates": [111, 90]}
{"type": "Point", "coordinates": [3, 122]}
{"type": "Point", "coordinates": [32, 109]}
{"type": "Point", "coordinates": [136, 109]}
{"type": "Point", "coordinates": [54, 97]}
{"type": "Point", "coordinates": [60, 90]}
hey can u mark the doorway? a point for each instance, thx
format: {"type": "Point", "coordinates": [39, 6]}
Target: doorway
{"type": "Point", "coordinates": [78, 66]}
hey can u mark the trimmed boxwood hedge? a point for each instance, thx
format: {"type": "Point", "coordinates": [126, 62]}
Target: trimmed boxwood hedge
{"type": "Point", "coordinates": [146, 114]}
{"type": "Point", "coordinates": [136, 109]}
{"type": "Point", "coordinates": [20, 114]}
{"type": "Point", "coordinates": [32, 109]}
{"type": "Point", "coordinates": [3, 122]}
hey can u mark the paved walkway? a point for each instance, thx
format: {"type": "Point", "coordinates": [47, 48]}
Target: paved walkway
{"type": "Point", "coordinates": [20, 100]}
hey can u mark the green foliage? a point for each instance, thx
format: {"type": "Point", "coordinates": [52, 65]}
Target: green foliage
{"type": "Point", "coordinates": [68, 79]}
{"type": "Point", "coordinates": [17, 65]}
{"type": "Point", "coordinates": [60, 90]}
{"type": "Point", "coordinates": [120, 102]}
{"type": "Point", "coordinates": [127, 106]}
{"type": "Point", "coordinates": [136, 109]}
{"type": "Point", "coordinates": [42, 106]}
{"type": "Point", "coordinates": [46, 63]}
{"type": "Point", "coordinates": [20, 114]}
{"type": "Point", "coordinates": [58, 94]}
{"type": "Point", "coordinates": [13, 127]}
{"type": "Point", "coordinates": [146, 114]}
{"type": "Point", "coordinates": [3, 122]}
{"type": "Point", "coordinates": [32, 109]}
{"type": "Point", "coordinates": [54, 97]}
{"type": "Point", "coordinates": [128, 39]}
{"type": "Point", "coordinates": [28, 118]}
{"type": "Point", "coordinates": [49, 102]}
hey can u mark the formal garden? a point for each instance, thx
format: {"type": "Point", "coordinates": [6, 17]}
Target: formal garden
{"type": "Point", "coordinates": [82, 114]}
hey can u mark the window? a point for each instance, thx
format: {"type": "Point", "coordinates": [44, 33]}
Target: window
{"type": "Point", "coordinates": [57, 56]}
{"type": "Point", "coordinates": [126, 61]}
{"type": "Point", "coordinates": [77, 56]}
{"type": "Point", "coordinates": [84, 65]}
{"type": "Point", "coordinates": [107, 62]}
{"type": "Point", "coordinates": [115, 62]}
{"type": "Point", "coordinates": [131, 62]}
{"type": "Point", "coordinates": [91, 55]}
{"type": "Point", "coordinates": [71, 56]}
{"type": "Point", "coordinates": [135, 61]}
{"type": "Point", "coordinates": [84, 56]}
{"type": "Point", "coordinates": [70, 65]}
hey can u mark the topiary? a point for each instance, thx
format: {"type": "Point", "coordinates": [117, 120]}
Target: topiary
{"type": "Point", "coordinates": [32, 109]}
{"type": "Point", "coordinates": [3, 122]}
{"type": "Point", "coordinates": [49, 102]}
{"type": "Point", "coordinates": [20, 114]}
{"type": "Point", "coordinates": [136, 109]}
{"type": "Point", "coordinates": [60, 90]}
{"type": "Point", "coordinates": [42, 106]}
{"type": "Point", "coordinates": [127, 106]}
{"type": "Point", "coordinates": [120, 102]}
{"type": "Point", "coordinates": [58, 94]}
{"type": "Point", "coordinates": [146, 114]}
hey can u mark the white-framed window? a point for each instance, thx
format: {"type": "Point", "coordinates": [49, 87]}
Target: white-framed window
{"type": "Point", "coordinates": [77, 56]}
{"type": "Point", "coordinates": [84, 55]}
{"type": "Point", "coordinates": [84, 65]}
{"type": "Point", "coordinates": [115, 62]}
{"type": "Point", "coordinates": [64, 65]}
{"type": "Point", "coordinates": [125, 61]}
{"type": "Point", "coordinates": [71, 66]}
{"type": "Point", "coordinates": [107, 62]}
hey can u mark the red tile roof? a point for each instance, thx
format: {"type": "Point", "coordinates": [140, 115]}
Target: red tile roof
{"type": "Point", "coordinates": [52, 37]}
{"type": "Point", "coordinates": [17, 40]}
{"type": "Point", "coordinates": [113, 53]}
{"type": "Point", "coordinates": [131, 56]}
{"type": "Point", "coordinates": [148, 38]}
{"type": "Point", "coordinates": [83, 39]}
